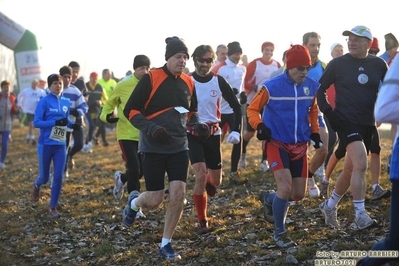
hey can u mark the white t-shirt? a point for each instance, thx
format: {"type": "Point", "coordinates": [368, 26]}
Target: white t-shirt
{"type": "Point", "coordinates": [28, 99]}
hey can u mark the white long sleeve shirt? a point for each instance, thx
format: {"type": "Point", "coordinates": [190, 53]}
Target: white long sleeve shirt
{"type": "Point", "coordinates": [234, 74]}
{"type": "Point", "coordinates": [387, 105]}
{"type": "Point", "coordinates": [28, 99]}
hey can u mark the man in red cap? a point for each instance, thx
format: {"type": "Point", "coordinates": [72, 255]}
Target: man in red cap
{"type": "Point", "coordinates": [375, 48]}
{"type": "Point", "coordinates": [258, 71]}
{"type": "Point", "coordinates": [289, 104]}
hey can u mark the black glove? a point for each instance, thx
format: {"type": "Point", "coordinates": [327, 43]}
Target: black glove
{"type": "Point", "coordinates": [61, 122]}
{"type": "Point", "coordinates": [316, 140]}
{"type": "Point", "coordinates": [74, 113]}
{"type": "Point", "coordinates": [235, 91]}
{"type": "Point", "coordinates": [264, 133]}
{"type": "Point", "coordinates": [243, 97]}
{"type": "Point", "coordinates": [333, 118]}
{"type": "Point", "coordinates": [201, 130]}
{"type": "Point", "coordinates": [76, 127]}
{"type": "Point", "coordinates": [111, 119]}
{"type": "Point", "coordinates": [161, 135]}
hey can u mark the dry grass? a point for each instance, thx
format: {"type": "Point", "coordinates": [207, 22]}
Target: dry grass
{"type": "Point", "coordinates": [90, 231]}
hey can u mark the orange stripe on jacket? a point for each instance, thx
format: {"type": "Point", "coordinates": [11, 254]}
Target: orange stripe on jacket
{"type": "Point", "coordinates": [158, 76]}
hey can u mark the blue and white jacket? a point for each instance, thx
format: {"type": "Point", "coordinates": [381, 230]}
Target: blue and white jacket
{"type": "Point", "coordinates": [287, 112]}
{"type": "Point", "coordinates": [49, 109]}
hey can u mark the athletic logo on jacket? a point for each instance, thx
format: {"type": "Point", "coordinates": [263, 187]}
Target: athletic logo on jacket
{"type": "Point", "coordinates": [306, 90]}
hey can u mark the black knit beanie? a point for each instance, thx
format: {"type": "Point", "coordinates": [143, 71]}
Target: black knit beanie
{"type": "Point", "coordinates": [233, 47]}
{"type": "Point", "coordinates": [141, 60]}
{"type": "Point", "coordinates": [175, 45]}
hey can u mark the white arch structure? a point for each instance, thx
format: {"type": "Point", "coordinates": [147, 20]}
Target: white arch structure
{"type": "Point", "coordinates": [24, 44]}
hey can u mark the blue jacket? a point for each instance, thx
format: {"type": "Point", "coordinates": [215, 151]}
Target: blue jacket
{"type": "Point", "coordinates": [287, 112]}
{"type": "Point", "coordinates": [49, 109]}
{"type": "Point", "coordinates": [317, 69]}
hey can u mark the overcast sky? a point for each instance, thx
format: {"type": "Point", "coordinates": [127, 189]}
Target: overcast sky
{"type": "Point", "coordinates": [108, 34]}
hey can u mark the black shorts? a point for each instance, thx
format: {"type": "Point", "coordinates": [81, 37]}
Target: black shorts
{"type": "Point", "coordinates": [155, 165]}
{"type": "Point", "coordinates": [227, 119]}
{"type": "Point", "coordinates": [375, 143]}
{"type": "Point", "coordinates": [352, 132]}
{"type": "Point", "coordinates": [207, 151]}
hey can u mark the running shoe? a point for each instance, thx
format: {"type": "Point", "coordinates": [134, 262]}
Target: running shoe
{"type": "Point", "coordinates": [168, 253]}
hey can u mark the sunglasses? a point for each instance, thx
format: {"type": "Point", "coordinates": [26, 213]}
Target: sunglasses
{"type": "Point", "coordinates": [202, 60]}
{"type": "Point", "coordinates": [303, 68]}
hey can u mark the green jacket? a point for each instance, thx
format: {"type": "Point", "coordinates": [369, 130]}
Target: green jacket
{"type": "Point", "coordinates": [118, 98]}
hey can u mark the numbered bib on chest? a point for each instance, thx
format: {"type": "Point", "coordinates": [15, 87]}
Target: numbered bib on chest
{"type": "Point", "coordinates": [58, 133]}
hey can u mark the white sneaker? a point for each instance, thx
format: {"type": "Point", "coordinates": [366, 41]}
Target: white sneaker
{"type": "Point", "coordinates": [2, 166]}
{"type": "Point", "coordinates": [264, 166]}
{"type": "Point", "coordinates": [86, 149]}
{"type": "Point", "coordinates": [320, 172]}
{"type": "Point", "coordinates": [330, 215]}
{"type": "Point", "coordinates": [140, 214]}
{"type": "Point", "coordinates": [89, 147]}
{"type": "Point", "coordinates": [363, 221]}
{"type": "Point", "coordinates": [313, 189]}
{"type": "Point", "coordinates": [118, 187]}
{"type": "Point", "coordinates": [380, 193]}
{"type": "Point", "coordinates": [243, 161]}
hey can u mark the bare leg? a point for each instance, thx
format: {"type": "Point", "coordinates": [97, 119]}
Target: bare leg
{"type": "Point", "coordinates": [321, 153]}
{"type": "Point", "coordinates": [356, 152]}
{"type": "Point", "coordinates": [200, 178]}
{"type": "Point", "coordinates": [332, 162]}
{"type": "Point", "coordinates": [174, 211]}
{"type": "Point", "coordinates": [375, 168]}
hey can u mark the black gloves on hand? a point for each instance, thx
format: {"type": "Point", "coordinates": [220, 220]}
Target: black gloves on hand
{"type": "Point", "coordinates": [243, 97]}
{"type": "Point", "coordinates": [235, 91]}
{"type": "Point", "coordinates": [333, 118]}
{"type": "Point", "coordinates": [201, 130]}
{"type": "Point", "coordinates": [74, 113]}
{"type": "Point", "coordinates": [264, 133]}
{"type": "Point", "coordinates": [316, 140]}
{"type": "Point", "coordinates": [76, 127]}
{"type": "Point", "coordinates": [161, 135]}
{"type": "Point", "coordinates": [61, 122]}
{"type": "Point", "coordinates": [111, 119]}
